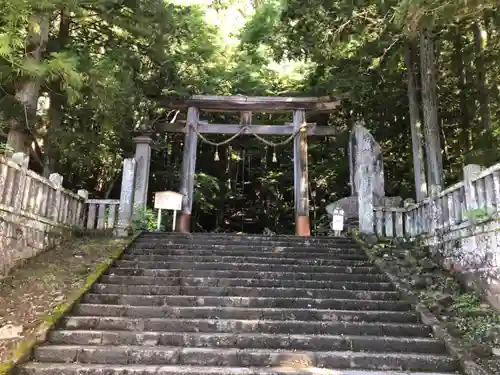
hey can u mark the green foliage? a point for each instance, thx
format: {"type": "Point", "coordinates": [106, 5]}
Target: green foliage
{"type": "Point", "coordinates": [206, 191]}
{"type": "Point", "coordinates": [114, 68]}
{"type": "Point", "coordinates": [4, 148]}
{"type": "Point", "coordinates": [144, 219]}
{"type": "Point", "coordinates": [477, 214]}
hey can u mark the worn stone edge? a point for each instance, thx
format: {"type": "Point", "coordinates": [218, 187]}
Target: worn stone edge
{"type": "Point", "coordinates": [24, 348]}
{"type": "Point", "coordinates": [454, 346]}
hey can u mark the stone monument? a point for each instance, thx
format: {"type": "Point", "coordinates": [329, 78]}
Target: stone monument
{"type": "Point", "coordinates": [366, 175]}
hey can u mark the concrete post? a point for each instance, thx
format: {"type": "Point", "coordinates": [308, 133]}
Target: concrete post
{"type": "Point", "coordinates": [22, 160]}
{"type": "Point", "coordinates": [57, 180]}
{"type": "Point", "coordinates": [81, 209]}
{"type": "Point", "coordinates": [126, 198]}
{"type": "Point", "coordinates": [471, 172]}
{"type": "Point", "coordinates": [469, 253]}
{"type": "Point", "coordinates": [143, 159]}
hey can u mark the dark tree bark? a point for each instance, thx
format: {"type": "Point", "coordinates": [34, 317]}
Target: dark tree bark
{"type": "Point", "coordinates": [57, 98]}
{"type": "Point", "coordinates": [430, 111]}
{"type": "Point", "coordinates": [415, 123]}
{"type": "Point", "coordinates": [482, 84]}
{"type": "Point", "coordinates": [465, 117]}
{"type": "Point", "coordinates": [28, 90]}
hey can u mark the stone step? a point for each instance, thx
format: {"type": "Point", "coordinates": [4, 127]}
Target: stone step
{"type": "Point", "coordinates": [248, 274]}
{"type": "Point", "coordinates": [213, 312]}
{"type": "Point", "coordinates": [359, 256]}
{"type": "Point", "coordinates": [245, 326]}
{"type": "Point", "coordinates": [247, 236]}
{"type": "Point", "coordinates": [34, 368]}
{"type": "Point", "coordinates": [244, 291]}
{"type": "Point", "coordinates": [248, 259]}
{"type": "Point", "coordinates": [248, 239]}
{"type": "Point", "coordinates": [234, 357]}
{"type": "Point", "coordinates": [254, 247]}
{"type": "Point", "coordinates": [247, 282]}
{"type": "Point", "coordinates": [218, 304]}
{"type": "Point", "coordinates": [249, 341]}
{"type": "Point", "coordinates": [252, 302]}
{"type": "Point", "coordinates": [245, 267]}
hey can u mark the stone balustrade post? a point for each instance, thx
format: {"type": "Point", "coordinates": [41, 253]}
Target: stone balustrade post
{"type": "Point", "coordinates": [496, 189]}
{"type": "Point", "coordinates": [22, 160]}
{"type": "Point", "coordinates": [81, 209]}
{"type": "Point", "coordinates": [57, 181]}
{"type": "Point", "coordinates": [471, 172]}
{"type": "Point", "coordinates": [379, 216]}
{"type": "Point", "coordinates": [399, 222]}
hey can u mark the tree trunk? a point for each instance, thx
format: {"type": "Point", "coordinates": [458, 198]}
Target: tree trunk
{"type": "Point", "coordinates": [57, 99]}
{"type": "Point", "coordinates": [416, 125]}
{"type": "Point", "coordinates": [29, 90]}
{"type": "Point", "coordinates": [480, 37]}
{"type": "Point", "coordinates": [111, 185]}
{"type": "Point", "coordinates": [465, 117]}
{"type": "Point", "coordinates": [430, 112]}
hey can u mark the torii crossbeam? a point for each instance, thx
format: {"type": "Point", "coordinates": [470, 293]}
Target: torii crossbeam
{"type": "Point", "coordinates": [246, 105]}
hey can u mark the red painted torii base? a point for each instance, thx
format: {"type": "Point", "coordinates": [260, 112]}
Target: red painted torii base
{"type": "Point", "coordinates": [302, 226]}
{"type": "Point", "coordinates": [183, 223]}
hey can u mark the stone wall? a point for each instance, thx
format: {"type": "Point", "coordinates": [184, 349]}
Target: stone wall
{"type": "Point", "coordinates": [35, 213]}
{"type": "Point", "coordinates": [473, 252]}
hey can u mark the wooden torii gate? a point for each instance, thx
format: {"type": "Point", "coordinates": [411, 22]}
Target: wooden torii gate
{"type": "Point", "coordinates": [246, 105]}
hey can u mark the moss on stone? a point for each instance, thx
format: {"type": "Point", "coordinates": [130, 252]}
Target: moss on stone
{"type": "Point", "coordinates": [460, 312]}
{"type": "Point", "coordinates": [22, 352]}
{"type": "Point", "coordinates": [24, 347]}
{"type": "Point", "coordinates": [6, 367]}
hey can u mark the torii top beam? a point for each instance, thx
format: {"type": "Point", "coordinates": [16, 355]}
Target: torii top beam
{"type": "Point", "coordinates": [239, 103]}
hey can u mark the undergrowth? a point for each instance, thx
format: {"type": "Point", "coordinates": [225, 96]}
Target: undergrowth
{"type": "Point", "coordinates": [462, 311]}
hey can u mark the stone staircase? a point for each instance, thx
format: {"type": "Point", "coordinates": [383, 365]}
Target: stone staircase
{"type": "Point", "coordinates": [241, 305]}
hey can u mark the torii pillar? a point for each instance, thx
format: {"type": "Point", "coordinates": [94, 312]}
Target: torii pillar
{"type": "Point", "coordinates": [302, 224]}
{"type": "Point", "coordinates": [188, 170]}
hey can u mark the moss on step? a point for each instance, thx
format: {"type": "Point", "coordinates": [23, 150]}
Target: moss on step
{"type": "Point", "coordinates": [56, 280]}
{"type": "Point", "coordinates": [460, 312]}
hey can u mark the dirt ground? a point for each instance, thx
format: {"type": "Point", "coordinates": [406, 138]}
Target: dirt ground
{"type": "Point", "coordinates": [32, 291]}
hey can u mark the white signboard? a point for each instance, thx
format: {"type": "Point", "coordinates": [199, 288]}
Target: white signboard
{"type": "Point", "coordinates": [337, 223]}
{"type": "Point", "coordinates": [168, 200]}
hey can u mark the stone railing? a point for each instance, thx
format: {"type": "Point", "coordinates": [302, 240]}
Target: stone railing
{"type": "Point", "coordinates": [474, 200]}
{"type": "Point", "coordinates": [462, 226]}
{"type": "Point", "coordinates": [102, 214]}
{"type": "Point", "coordinates": [116, 215]}
{"type": "Point", "coordinates": [390, 222]}
{"type": "Point", "coordinates": [35, 212]}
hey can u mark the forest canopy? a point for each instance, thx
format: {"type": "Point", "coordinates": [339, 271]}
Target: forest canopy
{"type": "Point", "coordinates": [79, 77]}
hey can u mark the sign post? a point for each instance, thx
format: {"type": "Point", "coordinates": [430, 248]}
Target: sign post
{"type": "Point", "coordinates": [158, 225]}
{"type": "Point", "coordinates": [168, 200]}
{"type": "Point", "coordinates": [337, 223]}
